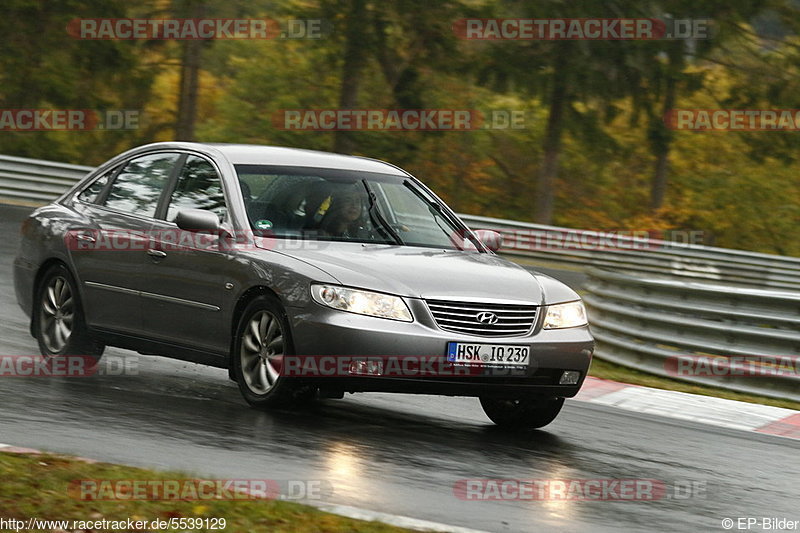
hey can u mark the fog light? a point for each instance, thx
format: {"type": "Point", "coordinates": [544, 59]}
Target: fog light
{"type": "Point", "coordinates": [569, 377]}
{"type": "Point", "coordinates": [366, 367]}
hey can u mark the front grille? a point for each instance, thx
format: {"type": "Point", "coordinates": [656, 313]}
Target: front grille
{"type": "Point", "coordinates": [462, 317]}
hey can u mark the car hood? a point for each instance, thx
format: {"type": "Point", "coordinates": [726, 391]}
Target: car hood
{"type": "Point", "coordinates": [428, 273]}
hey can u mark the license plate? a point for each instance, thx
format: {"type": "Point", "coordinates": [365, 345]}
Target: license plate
{"type": "Point", "coordinates": [487, 354]}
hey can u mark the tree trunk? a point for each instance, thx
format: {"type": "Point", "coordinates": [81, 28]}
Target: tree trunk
{"type": "Point", "coordinates": [663, 136]}
{"type": "Point", "coordinates": [354, 57]}
{"type": "Point", "coordinates": [659, 186]}
{"type": "Point", "coordinates": [545, 189]}
{"type": "Point", "coordinates": [190, 73]}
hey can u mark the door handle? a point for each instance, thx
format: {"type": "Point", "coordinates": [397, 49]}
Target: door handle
{"type": "Point", "coordinates": [158, 254]}
{"type": "Point", "coordinates": [85, 237]}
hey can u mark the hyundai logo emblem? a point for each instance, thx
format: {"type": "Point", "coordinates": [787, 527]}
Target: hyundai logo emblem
{"type": "Point", "coordinates": [486, 317]}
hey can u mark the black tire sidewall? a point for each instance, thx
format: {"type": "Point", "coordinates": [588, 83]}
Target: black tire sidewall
{"type": "Point", "coordinates": [80, 342]}
{"type": "Point", "coordinates": [281, 392]}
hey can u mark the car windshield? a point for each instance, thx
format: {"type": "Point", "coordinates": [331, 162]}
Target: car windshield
{"type": "Point", "coordinates": [341, 205]}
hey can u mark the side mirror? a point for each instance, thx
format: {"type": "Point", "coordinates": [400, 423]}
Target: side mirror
{"type": "Point", "coordinates": [198, 220]}
{"type": "Point", "coordinates": [490, 238]}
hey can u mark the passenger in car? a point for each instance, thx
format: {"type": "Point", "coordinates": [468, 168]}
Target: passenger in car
{"type": "Point", "coordinates": [343, 217]}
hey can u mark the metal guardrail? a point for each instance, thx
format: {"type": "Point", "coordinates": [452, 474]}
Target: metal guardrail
{"type": "Point", "coordinates": [742, 339]}
{"type": "Point", "coordinates": [650, 301]}
{"type": "Point", "coordinates": [35, 180]}
{"type": "Point", "coordinates": [585, 249]}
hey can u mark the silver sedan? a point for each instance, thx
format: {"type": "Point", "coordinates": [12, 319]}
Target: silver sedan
{"type": "Point", "coordinates": [305, 274]}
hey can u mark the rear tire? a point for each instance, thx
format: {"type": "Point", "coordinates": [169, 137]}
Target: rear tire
{"type": "Point", "coordinates": [263, 339]}
{"type": "Point", "coordinates": [524, 413]}
{"type": "Point", "coordinates": [60, 321]}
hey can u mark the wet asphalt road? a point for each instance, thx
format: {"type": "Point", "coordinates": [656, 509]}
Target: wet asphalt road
{"type": "Point", "coordinates": [398, 454]}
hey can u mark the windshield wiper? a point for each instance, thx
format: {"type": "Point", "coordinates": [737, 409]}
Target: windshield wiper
{"type": "Point", "coordinates": [439, 213]}
{"type": "Point", "coordinates": [377, 218]}
{"type": "Point", "coordinates": [433, 207]}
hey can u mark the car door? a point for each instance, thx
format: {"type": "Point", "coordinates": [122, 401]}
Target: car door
{"type": "Point", "coordinates": [184, 281]}
{"type": "Point", "coordinates": [109, 252]}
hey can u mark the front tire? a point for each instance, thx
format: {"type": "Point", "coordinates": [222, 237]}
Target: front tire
{"type": "Point", "coordinates": [60, 321]}
{"type": "Point", "coordinates": [524, 413]}
{"type": "Point", "coordinates": [263, 339]}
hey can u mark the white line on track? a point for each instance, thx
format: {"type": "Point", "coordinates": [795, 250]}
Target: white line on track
{"type": "Point", "coordinates": [391, 519]}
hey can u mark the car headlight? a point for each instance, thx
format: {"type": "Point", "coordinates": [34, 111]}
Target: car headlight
{"type": "Point", "coordinates": [362, 302]}
{"type": "Point", "coordinates": [568, 315]}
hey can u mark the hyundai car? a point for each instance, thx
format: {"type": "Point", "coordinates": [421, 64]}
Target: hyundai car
{"type": "Point", "coordinates": [305, 274]}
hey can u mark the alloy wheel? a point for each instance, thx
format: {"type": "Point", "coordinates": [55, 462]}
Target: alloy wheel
{"type": "Point", "coordinates": [57, 314]}
{"type": "Point", "coordinates": [262, 351]}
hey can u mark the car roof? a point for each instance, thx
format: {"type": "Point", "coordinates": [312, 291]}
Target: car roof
{"type": "Point", "coordinates": [254, 154]}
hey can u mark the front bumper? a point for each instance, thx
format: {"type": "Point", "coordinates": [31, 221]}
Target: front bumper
{"type": "Point", "coordinates": [319, 331]}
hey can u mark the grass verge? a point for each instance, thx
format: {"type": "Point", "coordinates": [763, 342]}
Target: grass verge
{"type": "Point", "coordinates": [36, 486]}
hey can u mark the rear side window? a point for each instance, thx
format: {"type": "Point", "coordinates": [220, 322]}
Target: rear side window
{"type": "Point", "coordinates": [198, 187]}
{"type": "Point", "coordinates": [138, 187]}
{"type": "Point", "coordinates": [90, 193]}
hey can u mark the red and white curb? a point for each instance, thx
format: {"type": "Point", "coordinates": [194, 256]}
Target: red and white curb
{"type": "Point", "coordinates": [684, 406]}
{"type": "Point", "coordinates": [391, 519]}
{"type": "Point", "coordinates": [7, 448]}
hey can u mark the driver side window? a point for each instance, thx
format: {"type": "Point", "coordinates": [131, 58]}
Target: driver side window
{"type": "Point", "coordinates": [198, 187]}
